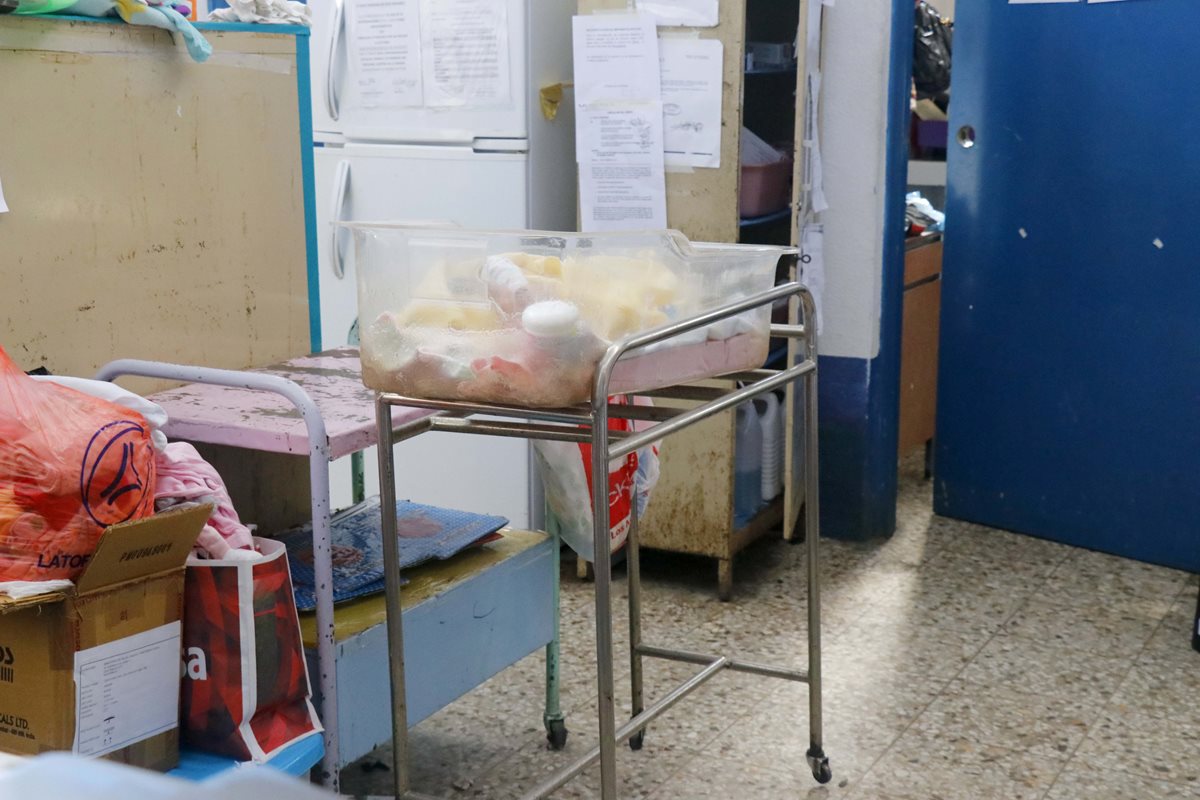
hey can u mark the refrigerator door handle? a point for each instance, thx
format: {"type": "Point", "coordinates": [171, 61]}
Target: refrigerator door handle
{"type": "Point", "coordinates": [342, 187]}
{"type": "Point", "coordinates": [335, 36]}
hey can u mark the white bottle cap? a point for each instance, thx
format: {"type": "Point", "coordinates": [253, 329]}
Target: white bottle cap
{"type": "Point", "coordinates": [555, 319]}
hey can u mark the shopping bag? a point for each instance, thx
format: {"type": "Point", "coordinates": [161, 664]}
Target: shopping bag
{"type": "Point", "coordinates": [566, 471]}
{"type": "Point", "coordinates": [246, 692]}
{"type": "Point", "coordinates": [70, 466]}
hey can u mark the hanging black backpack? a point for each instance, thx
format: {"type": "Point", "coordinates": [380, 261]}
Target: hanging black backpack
{"type": "Point", "coordinates": [931, 52]}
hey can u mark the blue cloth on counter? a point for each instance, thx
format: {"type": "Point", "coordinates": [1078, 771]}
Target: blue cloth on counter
{"type": "Point", "coordinates": [426, 533]}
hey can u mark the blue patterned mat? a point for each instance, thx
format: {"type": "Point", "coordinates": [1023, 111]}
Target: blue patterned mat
{"type": "Point", "coordinates": [426, 533]}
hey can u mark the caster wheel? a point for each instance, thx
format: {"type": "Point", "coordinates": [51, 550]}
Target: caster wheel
{"type": "Point", "coordinates": [637, 740]}
{"type": "Point", "coordinates": [556, 734]}
{"type": "Point", "coordinates": [819, 764]}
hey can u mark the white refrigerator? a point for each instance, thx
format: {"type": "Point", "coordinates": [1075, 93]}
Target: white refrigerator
{"type": "Point", "coordinates": [430, 110]}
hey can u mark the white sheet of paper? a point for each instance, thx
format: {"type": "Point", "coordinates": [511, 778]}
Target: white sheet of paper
{"type": "Point", "coordinates": [385, 51]}
{"type": "Point", "coordinates": [755, 151]}
{"type": "Point", "coordinates": [3, 205]}
{"type": "Point", "coordinates": [464, 52]}
{"type": "Point", "coordinates": [625, 132]}
{"type": "Point", "coordinates": [622, 197]}
{"type": "Point", "coordinates": [126, 690]}
{"type": "Point", "coordinates": [812, 171]}
{"type": "Point", "coordinates": [622, 182]}
{"type": "Point", "coordinates": [817, 200]}
{"type": "Point", "coordinates": [681, 13]}
{"type": "Point", "coordinates": [812, 263]}
{"type": "Point", "coordinates": [619, 123]}
{"type": "Point", "coordinates": [616, 58]}
{"type": "Point", "coordinates": [691, 95]}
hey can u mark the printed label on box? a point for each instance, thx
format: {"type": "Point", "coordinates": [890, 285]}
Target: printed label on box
{"type": "Point", "coordinates": [127, 690]}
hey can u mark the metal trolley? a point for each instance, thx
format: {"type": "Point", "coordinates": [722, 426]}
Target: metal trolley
{"type": "Point", "coordinates": [588, 423]}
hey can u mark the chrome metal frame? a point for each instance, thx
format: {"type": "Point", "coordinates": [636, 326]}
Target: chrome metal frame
{"type": "Point", "coordinates": [589, 423]}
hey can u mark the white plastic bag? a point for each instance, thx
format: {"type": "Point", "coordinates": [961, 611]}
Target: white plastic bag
{"type": "Point", "coordinates": [153, 412]}
{"type": "Point", "coordinates": [566, 469]}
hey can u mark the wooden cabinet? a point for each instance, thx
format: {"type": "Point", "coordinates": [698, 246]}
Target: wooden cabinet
{"type": "Point", "coordinates": [919, 342]}
{"type": "Point", "coordinates": [693, 505]}
{"type": "Point", "coordinates": [151, 215]}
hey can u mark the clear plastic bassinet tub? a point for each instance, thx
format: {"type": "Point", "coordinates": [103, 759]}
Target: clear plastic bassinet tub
{"type": "Point", "coordinates": [523, 317]}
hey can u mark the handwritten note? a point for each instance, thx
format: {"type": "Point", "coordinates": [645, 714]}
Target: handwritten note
{"type": "Point", "coordinates": [691, 95]}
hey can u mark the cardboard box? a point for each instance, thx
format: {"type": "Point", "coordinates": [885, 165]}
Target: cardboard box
{"type": "Point", "coordinates": [118, 631]}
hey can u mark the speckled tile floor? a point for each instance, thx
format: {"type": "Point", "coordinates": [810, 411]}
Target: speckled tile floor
{"type": "Point", "coordinates": [960, 662]}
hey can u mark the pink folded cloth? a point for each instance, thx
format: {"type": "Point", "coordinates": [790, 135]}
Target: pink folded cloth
{"type": "Point", "coordinates": [183, 476]}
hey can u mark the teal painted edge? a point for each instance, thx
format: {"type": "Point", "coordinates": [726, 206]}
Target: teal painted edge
{"type": "Point", "coordinates": [252, 27]}
{"type": "Point", "coordinates": [304, 91]}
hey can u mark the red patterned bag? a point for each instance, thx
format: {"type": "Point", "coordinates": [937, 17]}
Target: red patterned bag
{"type": "Point", "coordinates": [245, 691]}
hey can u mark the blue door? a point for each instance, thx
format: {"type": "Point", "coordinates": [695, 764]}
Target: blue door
{"type": "Point", "coordinates": [1069, 397]}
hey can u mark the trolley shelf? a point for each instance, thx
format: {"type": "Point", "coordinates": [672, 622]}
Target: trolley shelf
{"type": "Point", "coordinates": [589, 423]}
{"type": "Point", "coordinates": [317, 406]}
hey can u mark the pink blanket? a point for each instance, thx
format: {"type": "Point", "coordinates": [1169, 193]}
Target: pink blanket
{"type": "Point", "coordinates": [183, 476]}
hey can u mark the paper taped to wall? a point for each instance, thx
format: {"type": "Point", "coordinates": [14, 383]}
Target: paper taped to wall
{"type": "Point", "coordinates": [619, 123]}
{"type": "Point", "coordinates": [812, 264]}
{"type": "Point", "coordinates": [3, 205]}
{"type": "Point", "coordinates": [464, 52]}
{"type": "Point", "coordinates": [691, 75]}
{"type": "Point", "coordinates": [622, 185]}
{"type": "Point", "coordinates": [616, 58]}
{"type": "Point", "coordinates": [622, 197]}
{"type": "Point", "coordinates": [681, 13]}
{"type": "Point", "coordinates": [385, 52]}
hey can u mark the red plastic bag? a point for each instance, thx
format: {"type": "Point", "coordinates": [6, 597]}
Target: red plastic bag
{"type": "Point", "coordinates": [70, 466]}
{"type": "Point", "coordinates": [245, 690]}
{"type": "Point", "coordinates": [566, 470]}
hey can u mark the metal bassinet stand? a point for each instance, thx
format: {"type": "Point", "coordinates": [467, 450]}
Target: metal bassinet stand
{"type": "Point", "coordinates": [589, 423]}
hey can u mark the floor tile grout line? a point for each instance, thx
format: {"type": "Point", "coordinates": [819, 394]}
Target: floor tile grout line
{"type": "Point", "coordinates": [704, 751]}
{"type": "Point", "coordinates": [940, 693]}
{"type": "Point", "coordinates": [958, 677]}
{"type": "Point", "coordinates": [1108, 702]}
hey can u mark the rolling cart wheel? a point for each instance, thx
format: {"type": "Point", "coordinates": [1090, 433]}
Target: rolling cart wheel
{"type": "Point", "coordinates": [637, 740]}
{"type": "Point", "coordinates": [556, 734]}
{"type": "Point", "coordinates": [819, 764]}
